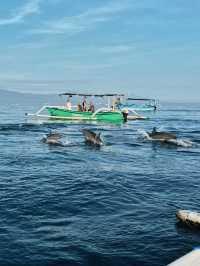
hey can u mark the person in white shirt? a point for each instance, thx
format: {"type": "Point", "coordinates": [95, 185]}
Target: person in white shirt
{"type": "Point", "coordinates": [68, 104]}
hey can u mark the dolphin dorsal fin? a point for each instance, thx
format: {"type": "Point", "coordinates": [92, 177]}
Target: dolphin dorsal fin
{"type": "Point", "coordinates": [98, 136]}
{"type": "Point", "coordinates": [49, 133]}
{"type": "Point", "coordinates": [154, 130]}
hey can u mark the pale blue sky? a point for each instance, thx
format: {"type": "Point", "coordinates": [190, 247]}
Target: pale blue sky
{"type": "Point", "coordinates": [143, 47]}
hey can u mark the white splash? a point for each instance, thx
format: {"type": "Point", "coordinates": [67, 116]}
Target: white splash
{"type": "Point", "coordinates": [181, 142]}
{"type": "Point", "coordinates": [144, 134]}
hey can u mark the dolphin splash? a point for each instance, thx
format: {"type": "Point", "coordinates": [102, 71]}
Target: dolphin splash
{"type": "Point", "coordinates": [92, 138]}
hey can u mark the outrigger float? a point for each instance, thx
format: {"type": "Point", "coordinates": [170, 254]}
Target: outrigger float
{"type": "Point", "coordinates": [81, 112]}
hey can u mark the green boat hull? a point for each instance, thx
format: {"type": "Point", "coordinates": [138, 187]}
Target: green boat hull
{"type": "Point", "coordinates": [75, 115]}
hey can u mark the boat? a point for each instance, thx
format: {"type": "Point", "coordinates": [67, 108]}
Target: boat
{"type": "Point", "coordinates": [74, 113]}
{"type": "Point", "coordinates": [190, 259]}
{"type": "Point", "coordinates": [139, 104]}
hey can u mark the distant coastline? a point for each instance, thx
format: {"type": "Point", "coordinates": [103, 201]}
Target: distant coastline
{"type": "Point", "coordinates": [15, 94]}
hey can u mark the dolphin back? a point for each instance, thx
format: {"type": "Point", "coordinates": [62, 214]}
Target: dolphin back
{"type": "Point", "coordinates": [91, 137]}
{"type": "Point", "coordinates": [162, 135]}
{"type": "Point", "coordinates": [88, 133]}
{"type": "Point", "coordinates": [53, 139]}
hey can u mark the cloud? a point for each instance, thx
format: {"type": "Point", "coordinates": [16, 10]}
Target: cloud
{"type": "Point", "coordinates": [84, 21]}
{"type": "Point", "coordinates": [116, 49]}
{"type": "Point", "coordinates": [31, 7]}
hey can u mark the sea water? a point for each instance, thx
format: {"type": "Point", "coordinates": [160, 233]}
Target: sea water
{"type": "Point", "coordinates": [78, 205]}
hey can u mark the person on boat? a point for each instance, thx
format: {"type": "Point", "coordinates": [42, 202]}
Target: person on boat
{"type": "Point", "coordinates": [79, 108]}
{"type": "Point", "coordinates": [68, 104]}
{"type": "Point", "coordinates": [84, 105]}
{"type": "Point", "coordinates": [118, 103]}
{"type": "Point", "coordinates": [115, 104]}
{"type": "Point", "coordinates": [91, 108]}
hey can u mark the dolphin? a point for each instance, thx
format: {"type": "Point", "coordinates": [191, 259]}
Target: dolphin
{"type": "Point", "coordinates": [162, 136]}
{"type": "Point", "coordinates": [53, 139]}
{"type": "Point", "coordinates": [92, 138]}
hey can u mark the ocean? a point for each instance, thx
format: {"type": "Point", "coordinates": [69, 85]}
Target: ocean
{"type": "Point", "coordinates": [78, 205]}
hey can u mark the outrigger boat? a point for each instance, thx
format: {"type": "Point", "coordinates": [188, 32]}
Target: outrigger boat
{"type": "Point", "coordinates": [139, 104]}
{"type": "Point", "coordinates": [104, 114]}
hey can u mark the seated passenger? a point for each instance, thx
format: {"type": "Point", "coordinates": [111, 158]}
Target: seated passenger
{"type": "Point", "coordinates": [117, 103]}
{"type": "Point", "coordinates": [79, 108]}
{"type": "Point", "coordinates": [91, 108]}
{"type": "Point", "coordinates": [68, 104]}
{"type": "Point", "coordinates": [112, 108]}
{"type": "Point", "coordinates": [84, 105]}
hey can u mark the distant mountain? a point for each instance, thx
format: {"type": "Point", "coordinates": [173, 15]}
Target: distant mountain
{"type": "Point", "coordinates": [4, 94]}
{"type": "Point", "coordinates": [14, 97]}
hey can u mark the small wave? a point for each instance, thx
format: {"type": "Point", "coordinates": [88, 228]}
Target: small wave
{"type": "Point", "coordinates": [190, 151]}
{"type": "Point", "coordinates": [7, 127]}
{"type": "Point", "coordinates": [20, 127]}
{"type": "Point", "coordinates": [197, 141]}
{"type": "Point", "coordinates": [132, 144]}
{"type": "Point", "coordinates": [33, 127]}
{"type": "Point", "coordinates": [194, 131]}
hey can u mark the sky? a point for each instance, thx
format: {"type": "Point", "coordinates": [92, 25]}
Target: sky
{"type": "Point", "coordinates": [145, 48]}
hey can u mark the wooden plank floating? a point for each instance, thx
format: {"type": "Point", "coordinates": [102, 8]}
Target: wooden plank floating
{"type": "Point", "coordinates": [190, 259]}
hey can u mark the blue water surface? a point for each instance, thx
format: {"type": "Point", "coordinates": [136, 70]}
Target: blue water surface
{"type": "Point", "coordinates": [77, 205]}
